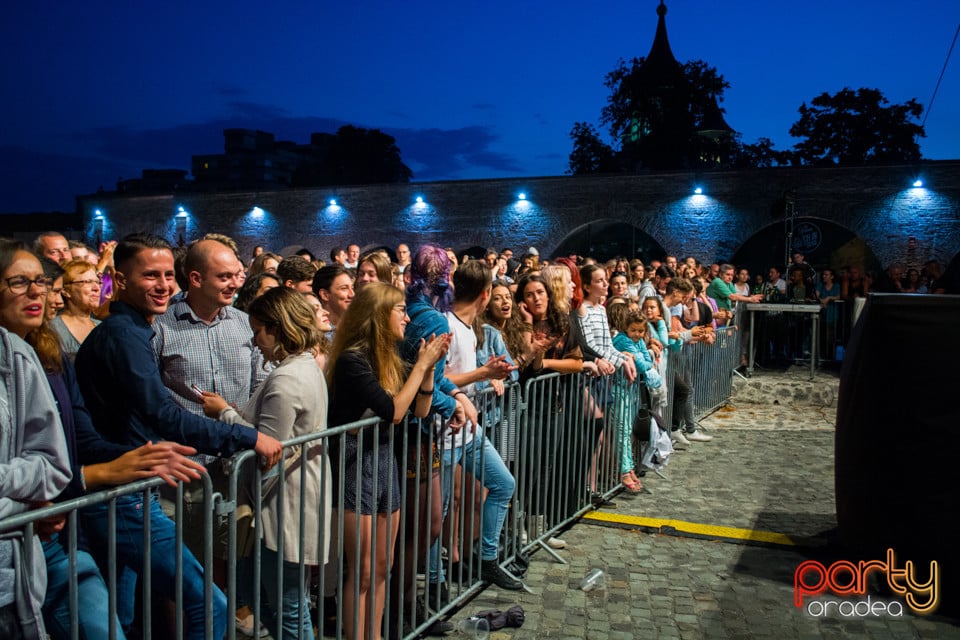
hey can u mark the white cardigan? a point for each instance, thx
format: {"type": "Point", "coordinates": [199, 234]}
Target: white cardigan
{"type": "Point", "coordinates": [292, 402]}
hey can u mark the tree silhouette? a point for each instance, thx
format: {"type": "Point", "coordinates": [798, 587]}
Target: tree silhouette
{"type": "Point", "coordinates": [353, 156]}
{"type": "Point", "coordinates": [761, 154]}
{"type": "Point", "coordinates": [654, 115]}
{"type": "Point", "coordinates": [590, 154]}
{"type": "Point", "coordinates": [853, 128]}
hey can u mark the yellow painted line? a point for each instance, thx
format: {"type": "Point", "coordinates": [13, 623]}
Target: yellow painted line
{"type": "Point", "coordinates": [710, 530]}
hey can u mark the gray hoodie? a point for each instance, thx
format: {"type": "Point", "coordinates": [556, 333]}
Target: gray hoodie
{"type": "Point", "coordinates": [33, 467]}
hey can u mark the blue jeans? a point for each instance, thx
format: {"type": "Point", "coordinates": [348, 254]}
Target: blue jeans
{"type": "Point", "coordinates": [93, 606]}
{"type": "Point", "coordinates": [479, 458]}
{"type": "Point", "coordinates": [163, 558]}
{"type": "Point", "coordinates": [294, 597]}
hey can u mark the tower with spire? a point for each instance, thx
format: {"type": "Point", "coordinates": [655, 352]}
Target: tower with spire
{"type": "Point", "coordinates": [671, 126]}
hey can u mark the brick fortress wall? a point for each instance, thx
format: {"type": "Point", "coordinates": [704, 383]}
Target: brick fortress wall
{"type": "Point", "coordinates": [898, 222]}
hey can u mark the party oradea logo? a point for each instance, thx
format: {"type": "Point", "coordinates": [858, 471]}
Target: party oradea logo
{"type": "Point", "coordinates": [814, 584]}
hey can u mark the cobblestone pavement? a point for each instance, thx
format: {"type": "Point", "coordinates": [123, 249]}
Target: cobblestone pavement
{"type": "Point", "coordinates": [769, 468]}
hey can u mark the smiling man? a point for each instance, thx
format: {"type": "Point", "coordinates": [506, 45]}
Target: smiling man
{"type": "Point", "coordinates": [203, 340]}
{"type": "Point", "coordinates": [53, 245]}
{"type": "Point", "coordinates": [129, 404]}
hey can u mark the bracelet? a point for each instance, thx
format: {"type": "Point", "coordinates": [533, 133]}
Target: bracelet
{"type": "Point", "coordinates": [424, 392]}
{"type": "Point", "coordinates": [457, 393]}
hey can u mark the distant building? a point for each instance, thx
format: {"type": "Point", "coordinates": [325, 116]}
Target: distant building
{"type": "Point", "coordinates": [251, 160]}
{"type": "Point", "coordinates": [155, 181]}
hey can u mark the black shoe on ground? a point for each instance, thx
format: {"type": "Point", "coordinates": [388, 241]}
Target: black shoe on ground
{"type": "Point", "coordinates": [597, 500]}
{"type": "Point", "coordinates": [491, 572]}
{"type": "Point", "coordinates": [433, 592]}
{"type": "Point", "coordinates": [521, 559]}
{"type": "Point", "coordinates": [438, 628]}
{"type": "Point", "coordinates": [515, 569]}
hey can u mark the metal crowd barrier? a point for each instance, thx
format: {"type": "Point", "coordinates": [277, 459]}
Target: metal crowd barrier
{"type": "Point", "coordinates": [709, 367]}
{"type": "Point", "coordinates": [560, 437]}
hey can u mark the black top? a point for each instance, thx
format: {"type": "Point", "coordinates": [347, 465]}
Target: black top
{"type": "Point", "coordinates": [356, 389]}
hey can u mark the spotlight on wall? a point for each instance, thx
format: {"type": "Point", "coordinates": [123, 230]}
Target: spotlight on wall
{"type": "Point", "coordinates": [333, 202]}
{"type": "Point", "coordinates": [698, 191]}
{"type": "Point", "coordinates": [918, 183]}
{"type": "Point", "coordinates": [97, 214]}
{"type": "Point", "coordinates": [521, 196]}
{"type": "Point", "coordinates": [419, 199]}
{"type": "Point", "coordinates": [256, 212]}
{"type": "Point", "coordinates": [181, 212]}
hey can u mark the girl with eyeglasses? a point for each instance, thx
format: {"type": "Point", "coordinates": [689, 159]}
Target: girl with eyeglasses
{"type": "Point", "coordinates": [368, 378]}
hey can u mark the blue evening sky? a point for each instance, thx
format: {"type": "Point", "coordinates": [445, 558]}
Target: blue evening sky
{"type": "Point", "coordinates": [101, 89]}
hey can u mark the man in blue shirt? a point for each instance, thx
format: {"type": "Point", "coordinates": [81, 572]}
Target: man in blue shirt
{"type": "Point", "coordinates": [123, 390]}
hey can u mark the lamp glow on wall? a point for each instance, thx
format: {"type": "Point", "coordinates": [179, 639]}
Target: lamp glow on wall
{"type": "Point", "coordinates": [181, 224]}
{"type": "Point", "coordinates": [97, 227]}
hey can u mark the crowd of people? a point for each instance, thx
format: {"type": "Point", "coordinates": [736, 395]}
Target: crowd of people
{"type": "Point", "coordinates": [145, 360]}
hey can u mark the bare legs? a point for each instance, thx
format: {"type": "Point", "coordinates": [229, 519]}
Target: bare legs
{"type": "Point", "coordinates": [360, 597]}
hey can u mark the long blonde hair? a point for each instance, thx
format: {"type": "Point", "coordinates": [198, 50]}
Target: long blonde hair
{"type": "Point", "coordinates": [558, 276]}
{"type": "Point", "coordinates": [365, 327]}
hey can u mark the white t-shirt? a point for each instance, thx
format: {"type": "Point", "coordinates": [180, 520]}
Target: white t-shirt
{"type": "Point", "coordinates": [461, 358]}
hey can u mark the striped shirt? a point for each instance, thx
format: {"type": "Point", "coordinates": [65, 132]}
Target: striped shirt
{"type": "Point", "coordinates": [596, 333]}
{"type": "Point", "coordinates": [219, 356]}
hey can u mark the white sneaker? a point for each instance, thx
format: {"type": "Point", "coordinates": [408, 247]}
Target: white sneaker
{"type": "Point", "coordinates": [678, 439]}
{"type": "Point", "coordinates": [245, 627]}
{"type": "Point", "coordinates": [698, 436]}
{"type": "Point", "coordinates": [556, 543]}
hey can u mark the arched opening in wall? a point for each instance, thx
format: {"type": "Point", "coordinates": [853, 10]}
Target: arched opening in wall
{"type": "Point", "coordinates": [822, 243]}
{"type": "Point", "coordinates": [475, 252]}
{"type": "Point", "coordinates": [605, 239]}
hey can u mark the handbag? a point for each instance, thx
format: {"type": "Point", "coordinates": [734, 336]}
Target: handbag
{"type": "Point", "coordinates": [641, 424]}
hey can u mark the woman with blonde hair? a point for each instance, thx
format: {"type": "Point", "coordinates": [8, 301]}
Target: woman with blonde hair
{"type": "Point", "coordinates": [368, 378]}
{"type": "Point", "coordinates": [561, 285]}
{"type": "Point", "coordinates": [291, 402]}
{"type": "Point", "coordinates": [81, 297]}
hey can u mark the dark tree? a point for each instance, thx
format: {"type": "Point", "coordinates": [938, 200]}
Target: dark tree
{"type": "Point", "coordinates": [590, 154]}
{"type": "Point", "coordinates": [656, 113]}
{"type": "Point", "coordinates": [761, 154]}
{"type": "Point", "coordinates": [353, 156]}
{"type": "Point", "coordinates": [853, 128]}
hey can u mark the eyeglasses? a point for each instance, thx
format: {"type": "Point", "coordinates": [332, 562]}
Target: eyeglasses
{"type": "Point", "coordinates": [98, 281]}
{"type": "Point", "coordinates": [402, 308]}
{"type": "Point", "coordinates": [20, 284]}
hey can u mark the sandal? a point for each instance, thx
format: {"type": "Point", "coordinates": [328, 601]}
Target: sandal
{"type": "Point", "coordinates": [630, 484]}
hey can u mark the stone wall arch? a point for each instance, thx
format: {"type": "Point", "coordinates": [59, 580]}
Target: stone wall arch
{"type": "Point", "coordinates": [607, 237]}
{"type": "Point", "coordinates": [824, 243]}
